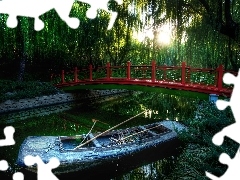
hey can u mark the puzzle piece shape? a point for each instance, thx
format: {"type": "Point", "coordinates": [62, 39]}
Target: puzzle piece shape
{"type": "Point", "coordinates": [36, 8]}
{"type": "Point", "coordinates": [18, 176]}
{"type": "Point", "coordinates": [232, 130]}
{"type": "Point", "coordinates": [3, 165]}
{"type": "Point", "coordinates": [101, 4]}
{"type": "Point", "coordinates": [235, 98]}
{"type": "Point", "coordinates": [8, 132]}
{"type": "Point", "coordinates": [233, 167]}
{"type": "Point", "coordinates": [44, 170]}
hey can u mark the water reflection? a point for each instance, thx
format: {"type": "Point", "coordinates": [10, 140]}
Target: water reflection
{"type": "Point", "coordinates": [154, 170]}
{"type": "Point", "coordinates": [78, 120]}
{"type": "Point", "coordinates": [160, 106]}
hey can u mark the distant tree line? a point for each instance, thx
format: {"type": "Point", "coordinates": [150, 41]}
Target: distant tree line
{"type": "Point", "coordinates": [205, 33]}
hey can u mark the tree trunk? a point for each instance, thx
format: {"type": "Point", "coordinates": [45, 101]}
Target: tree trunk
{"type": "Point", "coordinates": [229, 27]}
{"type": "Point", "coordinates": [21, 69]}
{"type": "Point", "coordinates": [21, 51]}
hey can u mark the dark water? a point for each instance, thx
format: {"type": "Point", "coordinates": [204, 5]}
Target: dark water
{"type": "Point", "coordinates": [79, 120]}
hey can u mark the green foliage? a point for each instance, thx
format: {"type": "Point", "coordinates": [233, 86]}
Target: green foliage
{"type": "Point", "coordinates": [161, 106]}
{"type": "Point", "coordinates": [15, 90]}
{"type": "Point", "coordinates": [200, 154]}
{"type": "Point", "coordinates": [163, 73]}
{"type": "Point", "coordinates": [85, 123]}
{"type": "Point", "coordinates": [203, 78]}
{"type": "Point", "coordinates": [57, 47]}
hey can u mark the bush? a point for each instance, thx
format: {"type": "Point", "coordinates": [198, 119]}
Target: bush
{"type": "Point", "coordinates": [199, 153]}
{"type": "Point", "coordinates": [15, 90]}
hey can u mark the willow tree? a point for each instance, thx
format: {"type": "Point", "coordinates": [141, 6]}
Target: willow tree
{"type": "Point", "coordinates": [210, 31]}
{"type": "Point", "coordinates": [210, 19]}
{"type": "Point", "coordinates": [223, 17]}
{"type": "Point", "coordinates": [20, 44]}
{"type": "Point", "coordinates": [16, 46]}
{"type": "Point", "coordinates": [57, 46]}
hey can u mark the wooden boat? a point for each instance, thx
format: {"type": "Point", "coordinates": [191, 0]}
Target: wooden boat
{"type": "Point", "coordinates": [108, 147]}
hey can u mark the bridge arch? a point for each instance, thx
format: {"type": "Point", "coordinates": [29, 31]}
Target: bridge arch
{"type": "Point", "coordinates": [201, 80]}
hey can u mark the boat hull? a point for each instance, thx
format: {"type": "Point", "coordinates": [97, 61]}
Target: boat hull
{"type": "Point", "coordinates": [86, 159]}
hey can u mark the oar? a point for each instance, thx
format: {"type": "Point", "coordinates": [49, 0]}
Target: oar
{"type": "Point", "coordinates": [100, 121]}
{"type": "Point", "coordinates": [140, 132]}
{"type": "Point", "coordinates": [95, 137]}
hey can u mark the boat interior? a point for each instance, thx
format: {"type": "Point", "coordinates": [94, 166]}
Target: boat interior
{"type": "Point", "coordinates": [113, 138]}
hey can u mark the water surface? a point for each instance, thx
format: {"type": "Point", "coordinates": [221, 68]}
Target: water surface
{"type": "Point", "coordinates": [79, 120]}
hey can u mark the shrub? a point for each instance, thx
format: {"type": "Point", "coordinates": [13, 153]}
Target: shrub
{"type": "Point", "coordinates": [15, 90]}
{"type": "Point", "coordinates": [199, 153]}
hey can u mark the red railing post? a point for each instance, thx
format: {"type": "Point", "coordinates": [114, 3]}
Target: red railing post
{"type": "Point", "coordinates": [75, 74]}
{"type": "Point", "coordinates": [128, 70]}
{"type": "Point", "coordinates": [108, 70]}
{"type": "Point", "coordinates": [90, 72]}
{"type": "Point", "coordinates": [220, 77]}
{"type": "Point", "coordinates": [183, 73]}
{"type": "Point", "coordinates": [153, 71]}
{"type": "Point", "coordinates": [63, 77]}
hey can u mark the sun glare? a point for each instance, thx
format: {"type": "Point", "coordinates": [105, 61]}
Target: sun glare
{"type": "Point", "coordinates": [164, 38]}
{"type": "Point", "coordinates": [164, 35]}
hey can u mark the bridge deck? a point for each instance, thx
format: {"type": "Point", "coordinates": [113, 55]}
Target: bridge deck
{"type": "Point", "coordinates": [184, 78]}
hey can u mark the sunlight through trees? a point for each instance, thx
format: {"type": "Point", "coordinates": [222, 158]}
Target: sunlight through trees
{"type": "Point", "coordinates": [202, 33]}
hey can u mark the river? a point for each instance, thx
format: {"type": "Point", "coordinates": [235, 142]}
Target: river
{"type": "Point", "coordinates": [78, 120]}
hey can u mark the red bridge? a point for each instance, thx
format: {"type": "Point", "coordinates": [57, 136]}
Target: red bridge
{"type": "Point", "coordinates": [175, 77]}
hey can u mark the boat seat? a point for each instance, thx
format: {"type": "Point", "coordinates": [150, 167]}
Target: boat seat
{"type": "Point", "coordinates": [95, 142]}
{"type": "Point", "coordinates": [151, 132]}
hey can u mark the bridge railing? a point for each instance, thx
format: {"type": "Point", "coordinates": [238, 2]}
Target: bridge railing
{"type": "Point", "coordinates": [202, 76]}
{"type": "Point", "coordinates": [169, 73]}
{"type": "Point", "coordinates": [153, 73]}
{"type": "Point", "coordinates": [142, 72]}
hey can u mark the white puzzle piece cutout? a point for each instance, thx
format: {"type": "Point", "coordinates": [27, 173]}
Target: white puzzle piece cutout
{"type": "Point", "coordinates": [101, 4]}
{"type": "Point", "coordinates": [3, 165]}
{"type": "Point", "coordinates": [8, 141]}
{"type": "Point", "coordinates": [44, 171]}
{"type": "Point", "coordinates": [18, 176]}
{"type": "Point", "coordinates": [8, 132]}
{"type": "Point", "coordinates": [36, 8]}
{"type": "Point", "coordinates": [231, 131]}
{"type": "Point", "coordinates": [232, 172]}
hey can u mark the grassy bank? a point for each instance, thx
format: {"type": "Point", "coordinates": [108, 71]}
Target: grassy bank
{"type": "Point", "coordinates": [15, 90]}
